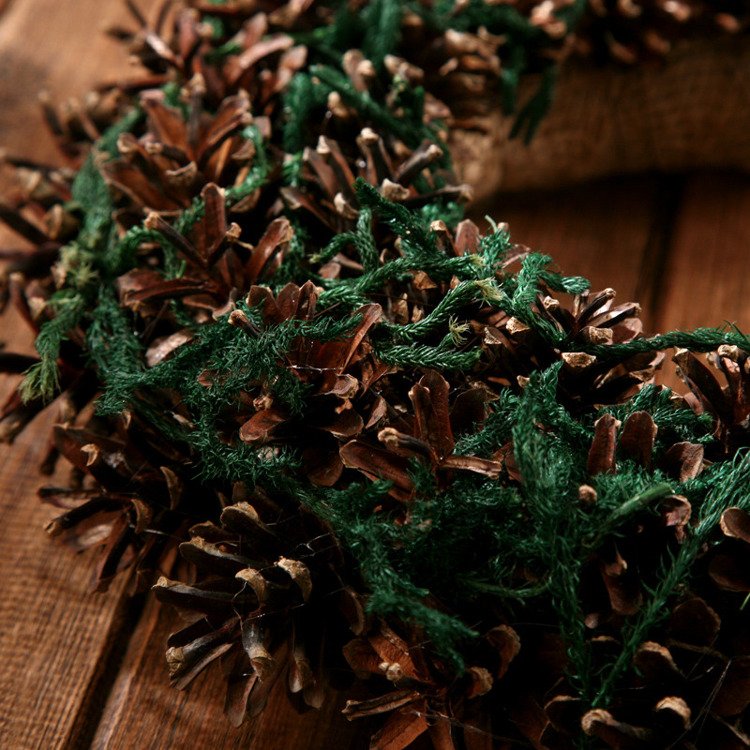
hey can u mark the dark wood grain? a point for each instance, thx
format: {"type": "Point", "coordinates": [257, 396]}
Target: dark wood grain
{"type": "Point", "coordinates": [703, 278]}
{"type": "Point", "coordinates": [706, 280]}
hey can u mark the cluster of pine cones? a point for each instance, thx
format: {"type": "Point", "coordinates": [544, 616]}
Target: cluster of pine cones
{"type": "Point", "coordinates": [390, 345]}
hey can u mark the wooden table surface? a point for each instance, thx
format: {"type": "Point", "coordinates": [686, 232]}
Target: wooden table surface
{"type": "Point", "coordinates": [79, 669]}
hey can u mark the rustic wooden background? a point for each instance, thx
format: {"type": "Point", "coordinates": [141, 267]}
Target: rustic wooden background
{"type": "Point", "coordinates": [79, 669]}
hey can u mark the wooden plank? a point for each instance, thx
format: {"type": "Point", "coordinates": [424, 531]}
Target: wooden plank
{"type": "Point", "coordinates": [705, 280]}
{"type": "Point", "coordinates": [142, 704]}
{"type": "Point", "coordinates": [54, 46]}
{"type": "Point", "coordinates": [57, 640]}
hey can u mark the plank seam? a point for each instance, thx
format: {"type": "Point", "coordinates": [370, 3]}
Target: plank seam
{"type": "Point", "coordinates": [659, 245]}
{"type": "Point", "coordinates": [127, 616]}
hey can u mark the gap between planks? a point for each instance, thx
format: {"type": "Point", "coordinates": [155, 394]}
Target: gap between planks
{"type": "Point", "coordinates": [706, 280]}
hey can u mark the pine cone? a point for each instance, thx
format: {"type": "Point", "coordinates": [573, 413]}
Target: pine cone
{"type": "Point", "coordinates": [166, 168]}
{"type": "Point", "coordinates": [516, 350]}
{"type": "Point", "coordinates": [728, 405]}
{"type": "Point", "coordinates": [264, 601]}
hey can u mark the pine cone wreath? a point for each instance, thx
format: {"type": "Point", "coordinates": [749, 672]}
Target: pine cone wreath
{"type": "Point", "coordinates": [382, 441]}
